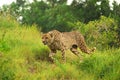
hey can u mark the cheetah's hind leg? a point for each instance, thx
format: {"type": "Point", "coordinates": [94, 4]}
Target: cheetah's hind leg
{"type": "Point", "coordinates": [74, 50]}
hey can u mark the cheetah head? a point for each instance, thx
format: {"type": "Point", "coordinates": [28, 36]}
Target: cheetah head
{"type": "Point", "coordinates": [47, 39]}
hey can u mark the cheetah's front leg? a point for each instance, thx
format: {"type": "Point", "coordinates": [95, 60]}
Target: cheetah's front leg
{"type": "Point", "coordinates": [51, 54]}
{"type": "Point", "coordinates": [63, 55]}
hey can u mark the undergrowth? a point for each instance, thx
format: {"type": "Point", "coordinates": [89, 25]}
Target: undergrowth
{"type": "Point", "coordinates": [24, 57]}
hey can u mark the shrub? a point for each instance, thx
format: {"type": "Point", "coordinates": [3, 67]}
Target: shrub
{"type": "Point", "coordinates": [7, 21]}
{"type": "Point", "coordinates": [24, 57]}
{"type": "Point", "coordinates": [7, 71]}
{"type": "Point", "coordinates": [101, 33]}
{"type": "Point", "coordinates": [102, 66]}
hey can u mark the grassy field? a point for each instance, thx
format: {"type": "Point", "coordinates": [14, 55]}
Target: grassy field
{"type": "Point", "coordinates": [24, 57]}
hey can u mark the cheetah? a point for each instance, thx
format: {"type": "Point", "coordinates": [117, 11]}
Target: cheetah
{"type": "Point", "coordinates": [62, 41]}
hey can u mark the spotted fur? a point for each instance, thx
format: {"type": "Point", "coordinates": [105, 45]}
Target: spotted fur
{"type": "Point", "coordinates": [62, 41]}
{"type": "Point", "coordinates": [79, 41]}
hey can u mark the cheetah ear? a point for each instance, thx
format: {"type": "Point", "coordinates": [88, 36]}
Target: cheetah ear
{"type": "Point", "coordinates": [51, 34]}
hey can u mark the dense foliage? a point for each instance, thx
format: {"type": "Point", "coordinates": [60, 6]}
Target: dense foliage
{"type": "Point", "coordinates": [101, 33]}
{"type": "Point", "coordinates": [57, 14]}
{"type": "Point", "coordinates": [24, 57]}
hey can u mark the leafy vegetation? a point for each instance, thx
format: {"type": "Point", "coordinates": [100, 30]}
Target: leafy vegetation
{"type": "Point", "coordinates": [24, 57]}
{"type": "Point", "coordinates": [93, 18]}
{"type": "Point", "coordinates": [101, 33]}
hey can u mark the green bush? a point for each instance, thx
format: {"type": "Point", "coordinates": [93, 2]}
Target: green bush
{"type": "Point", "coordinates": [101, 33]}
{"type": "Point", "coordinates": [41, 54]}
{"type": "Point", "coordinates": [7, 21]}
{"type": "Point", "coordinates": [7, 71]}
{"type": "Point", "coordinates": [102, 66]}
{"type": "Point", "coordinates": [4, 46]}
{"type": "Point", "coordinates": [24, 57]}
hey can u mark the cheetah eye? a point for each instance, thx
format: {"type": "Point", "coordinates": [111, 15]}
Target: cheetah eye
{"type": "Point", "coordinates": [46, 37]}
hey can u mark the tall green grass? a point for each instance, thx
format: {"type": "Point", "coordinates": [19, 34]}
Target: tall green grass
{"type": "Point", "coordinates": [24, 57]}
